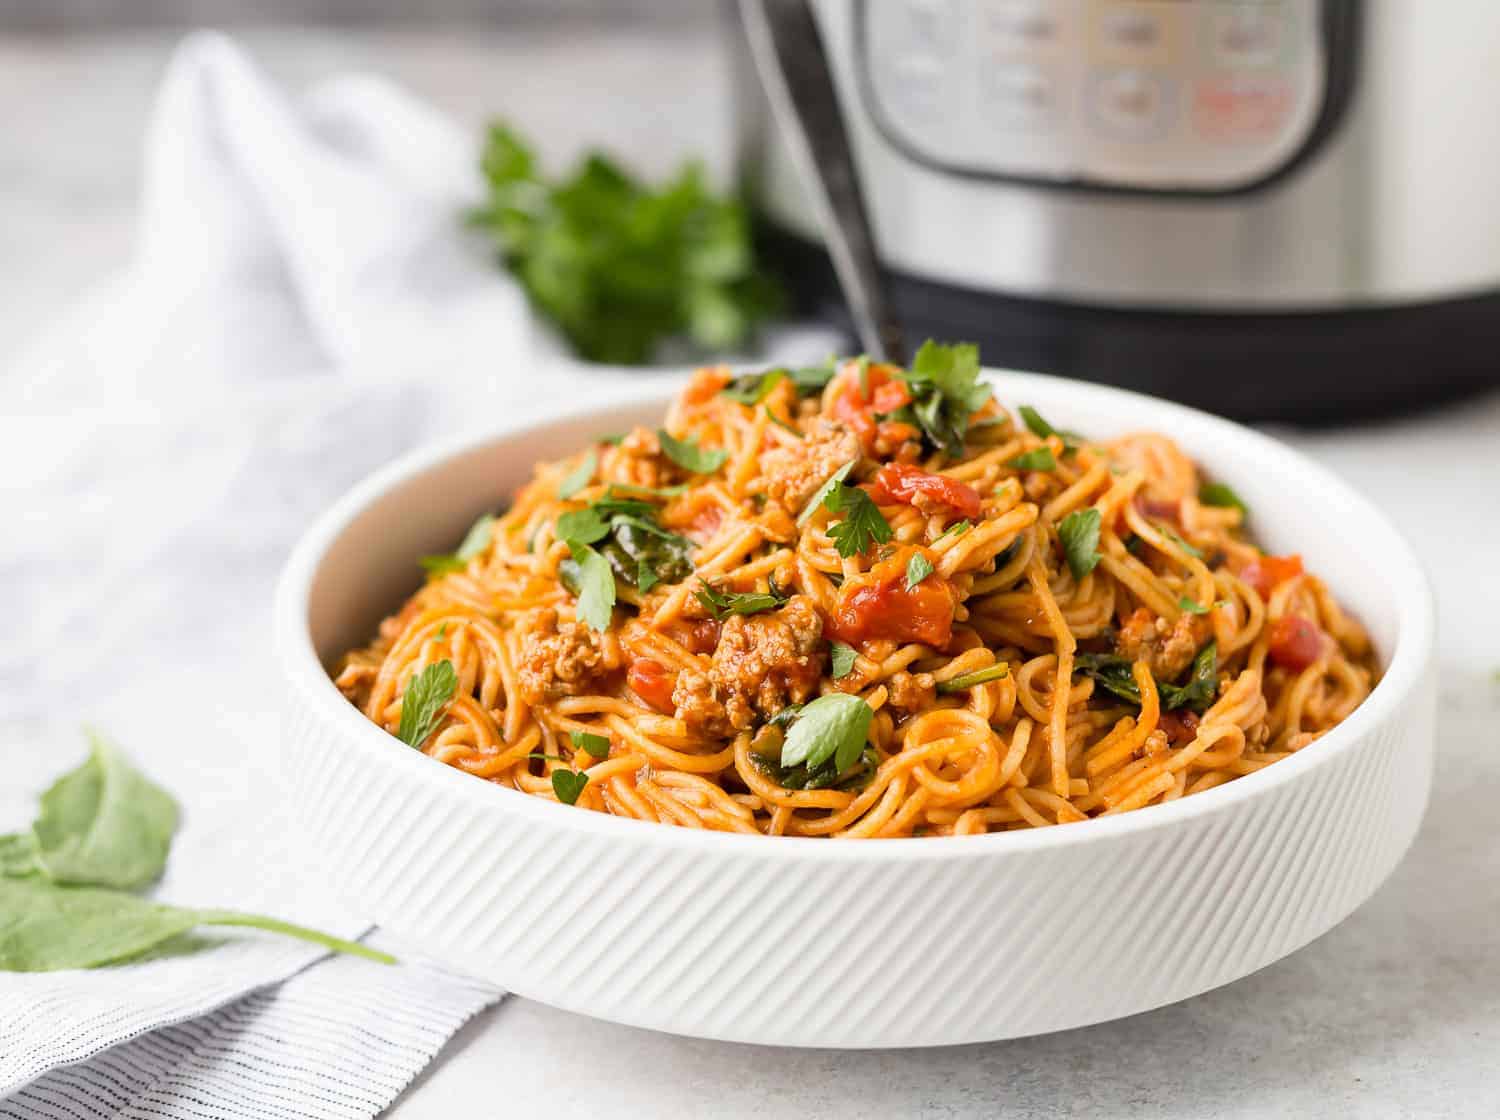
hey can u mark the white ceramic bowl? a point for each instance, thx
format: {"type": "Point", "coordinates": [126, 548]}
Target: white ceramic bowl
{"type": "Point", "coordinates": [812, 942]}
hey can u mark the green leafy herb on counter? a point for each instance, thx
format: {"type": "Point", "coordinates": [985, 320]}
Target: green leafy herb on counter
{"type": "Point", "coordinates": [103, 827]}
{"type": "Point", "coordinates": [620, 266]}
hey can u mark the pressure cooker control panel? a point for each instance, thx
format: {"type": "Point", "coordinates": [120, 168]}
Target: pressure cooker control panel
{"type": "Point", "coordinates": [1196, 95]}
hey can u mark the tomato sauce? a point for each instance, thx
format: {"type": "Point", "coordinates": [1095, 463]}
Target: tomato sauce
{"type": "Point", "coordinates": [880, 605]}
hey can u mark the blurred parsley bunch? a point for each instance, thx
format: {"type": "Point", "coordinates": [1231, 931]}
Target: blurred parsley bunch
{"type": "Point", "coordinates": [618, 266]}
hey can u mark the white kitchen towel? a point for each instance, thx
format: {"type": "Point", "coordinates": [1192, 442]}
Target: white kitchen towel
{"type": "Point", "coordinates": [303, 304]}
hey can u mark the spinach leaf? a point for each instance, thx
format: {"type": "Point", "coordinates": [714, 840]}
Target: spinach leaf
{"type": "Point", "coordinates": [642, 553]}
{"type": "Point", "coordinates": [580, 476]}
{"type": "Point", "coordinates": [1079, 534]}
{"type": "Point", "coordinates": [104, 824]}
{"type": "Point", "coordinates": [753, 388]}
{"type": "Point", "coordinates": [689, 456]}
{"type": "Point", "coordinates": [475, 541]}
{"type": "Point", "coordinates": [831, 727]}
{"type": "Point", "coordinates": [1112, 671]}
{"type": "Point", "coordinates": [568, 785]}
{"type": "Point", "coordinates": [45, 927]}
{"type": "Point", "coordinates": [842, 659]}
{"type": "Point", "coordinates": [993, 672]}
{"type": "Point", "coordinates": [722, 604]}
{"type": "Point", "coordinates": [422, 704]}
{"type": "Point", "coordinates": [1202, 684]}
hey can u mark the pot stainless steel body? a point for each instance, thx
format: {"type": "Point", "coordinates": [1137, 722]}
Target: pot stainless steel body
{"type": "Point", "coordinates": [1273, 208]}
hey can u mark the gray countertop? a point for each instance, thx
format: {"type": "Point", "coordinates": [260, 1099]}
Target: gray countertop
{"type": "Point", "coordinates": [1395, 1013]}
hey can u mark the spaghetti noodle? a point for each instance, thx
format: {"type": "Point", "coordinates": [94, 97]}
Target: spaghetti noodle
{"type": "Point", "coordinates": [1029, 628]}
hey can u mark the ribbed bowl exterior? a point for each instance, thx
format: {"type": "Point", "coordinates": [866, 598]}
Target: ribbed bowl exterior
{"type": "Point", "coordinates": [860, 944]}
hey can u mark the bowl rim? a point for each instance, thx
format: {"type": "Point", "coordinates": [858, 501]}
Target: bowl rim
{"type": "Point", "coordinates": [1404, 671]}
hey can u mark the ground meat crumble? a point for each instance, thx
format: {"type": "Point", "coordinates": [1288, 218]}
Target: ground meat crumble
{"type": "Point", "coordinates": [561, 658]}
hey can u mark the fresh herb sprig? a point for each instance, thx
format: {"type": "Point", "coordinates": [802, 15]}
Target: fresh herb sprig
{"type": "Point", "coordinates": [721, 604]}
{"type": "Point", "coordinates": [832, 727]}
{"type": "Point", "coordinates": [632, 546]}
{"type": "Point", "coordinates": [945, 389]}
{"type": "Point", "coordinates": [620, 266]}
{"type": "Point", "coordinates": [422, 704]}
{"type": "Point", "coordinates": [1079, 534]}
{"type": "Point", "coordinates": [104, 829]}
{"type": "Point", "coordinates": [1114, 673]}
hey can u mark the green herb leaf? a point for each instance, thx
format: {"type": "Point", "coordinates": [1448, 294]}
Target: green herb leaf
{"type": "Point", "coordinates": [689, 456]}
{"type": "Point", "coordinates": [1222, 495]}
{"type": "Point", "coordinates": [831, 727]}
{"type": "Point", "coordinates": [1190, 605]}
{"type": "Point", "coordinates": [722, 604]}
{"type": "Point", "coordinates": [18, 855]}
{"type": "Point", "coordinates": [1079, 533]}
{"type": "Point", "coordinates": [46, 927]}
{"type": "Point", "coordinates": [475, 541]}
{"type": "Point", "coordinates": [582, 526]}
{"type": "Point", "coordinates": [783, 718]}
{"type": "Point", "coordinates": [753, 388]}
{"type": "Point", "coordinates": [1040, 428]}
{"type": "Point", "coordinates": [842, 658]}
{"type": "Point", "coordinates": [780, 423]}
{"type": "Point", "coordinates": [957, 529]}
{"type": "Point", "coordinates": [423, 702]}
{"type": "Point", "coordinates": [1191, 550]}
{"type": "Point", "coordinates": [1037, 459]}
{"type": "Point", "coordinates": [619, 265]}
{"type": "Point", "coordinates": [945, 388]}
{"type": "Point", "coordinates": [1202, 685]}
{"type": "Point", "coordinates": [104, 824]}
{"type": "Point", "coordinates": [614, 439]}
{"type": "Point", "coordinates": [591, 579]}
{"type": "Point", "coordinates": [629, 490]}
{"type": "Point", "coordinates": [862, 523]}
{"type": "Point", "coordinates": [918, 568]}
{"type": "Point", "coordinates": [1111, 671]}
{"type": "Point", "coordinates": [596, 746]}
{"type": "Point", "coordinates": [824, 492]}
{"type": "Point", "coordinates": [812, 379]}
{"type": "Point", "coordinates": [979, 676]}
{"type": "Point", "coordinates": [568, 785]}
{"type": "Point", "coordinates": [580, 476]}
{"type": "Point", "coordinates": [643, 553]}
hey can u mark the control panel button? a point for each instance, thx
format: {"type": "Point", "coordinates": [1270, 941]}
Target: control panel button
{"type": "Point", "coordinates": [1241, 108]}
{"type": "Point", "coordinates": [1247, 35]}
{"type": "Point", "coordinates": [1010, 27]}
{"type": "Point", "coordinates": [1019, 95]}
{"type": "Point", "coordinates": [1136, 32]}
{"type": "Point", "coordinates": [1131, 104]}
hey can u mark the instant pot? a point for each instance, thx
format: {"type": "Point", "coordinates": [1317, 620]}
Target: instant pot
{"type": "Point", "coordinates": [1282, 209]}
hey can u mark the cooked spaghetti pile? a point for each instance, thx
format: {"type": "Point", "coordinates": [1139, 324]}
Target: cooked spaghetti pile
{"type": "Point", "coordinates": [863, 601]}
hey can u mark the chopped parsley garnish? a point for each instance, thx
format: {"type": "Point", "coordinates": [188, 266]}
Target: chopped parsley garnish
{"type": "Point", "coordinates": [579, 476]}
{"type": "Point", "coordinates": [1113, 672]}
{"type": "Point", "coordinates": [979, 676]}
{"type": "Point", "coordinates": [957, 529]}
{"type": "Point", "coordinates": [831, 727]}
{"type": "Point", "coordinates": [589, 577]}
{"type": "Point", "coordinates": [812, 379]}
{"type": "Point", "coordinates": [842, 658]}
{"type": "Point", "coordinates": [595, 746]}
{"type": "Point", "coordinates": [945, 390]}
{"type": "Point", "coordinates": [568, 785]}
{"type": "Point", "coordinates": [862, 524]}
{"type": "Point", "coordinates": [753, 388]}
{"type": "Point", "coordinates": [1192, 606]}
{"type": "Point", "coordinates": [780, 423]}
{"type": "Point", "coordinates": [689, 456]}
{"type": "Point", "coordinates": [1222, 495]}
{"type": "Point", "coordinates": [1042, 430]}
{"type": "Point", "coordinates": [475, 541]}
{"type": "Point", "coordinates": [825, 491]}
{"type": "Point", "coordinates": [636, 548]}
{"type": "Point", "coordinates": [1079, 533]}
{"type": "Point", "coordinates": [422, 704]}
{"type": "Point", "coordinates": [918, 568]}
{"type": "Point", "coordinates": [1037, 459]}
{"type": "Point", "coordinates": [1195, 553]}
{"type": "Point", "coordinates": [722, 604]}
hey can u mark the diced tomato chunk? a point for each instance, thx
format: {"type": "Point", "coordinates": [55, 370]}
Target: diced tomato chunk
{"type": "Point", "coordinates": [901, 482]}
{"type": "Point", "coordinates": [1266, 572]}
{"type": "Point", "coordinates": [891, 396]}
{"type": "Point", "coordinates": [1296, 642]}
{"type": "Point", "coordinates": [857, 400]}
{"type": "Point", "coordinates": [880, 605]}
{"type": "Point", "coordinates": [649, 680]}
{"type": "Point", "coordinates": [1181, 726]}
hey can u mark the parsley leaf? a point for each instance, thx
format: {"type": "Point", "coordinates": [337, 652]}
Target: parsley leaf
{"type": "Point", "coordinates": [1202, 683]}
{"type": "Point", "coordinates": [620, 265]}
{"type": "Point", "coordinates": [918, 568]}
{"type": "Point", "coordinates": [1037, 459]}
{"type": "Point", "coordinates": [842, 659]}
{"type": "Point", "coordinates": [831, 727]}
{"type": "Point", "coordinates": [1079, 533]}
{"type": "Point", "coordinates": [639, 550]}
{"type": "Point", "coordinates": [582, 526]}
{"type": "Point", "coordinates": [1040, 428]}
{"type": "Point", "coordinates": [568, 785]}
{"type": "Point", "coordinates": [579, 476]}
{"type": "Point", "coordinates": [689, 456]}
{"type": "Point", "coordinates": [753, 388]}
{"type": "Point", "coordinates": [422, 704]}
{"type": "Point", "coordinates": [1193, 551]}
{"type": "Point", "coordinates": [722, 604]}
{"type": "Point", "coordinates": [812, 379]}
{"type": "Point", "coordinates": [589, 577]}
{"type": "Point", "coordinates": [993, 672]}
{"type": "Point", "coordinates": [862, 523]}
{"type": "Point", "coordinates": [957, 529]}
{"type": "Point", "coordinates": [475, 541]}
{"type": "Point", "coordinates": [825, 491]}
{"type": "Point", "coordinates": [1222, 495]}
{"type": "Point", "coordinates": [1190, 605]}
{"type": "Point", "coordinates": [946, 390]}
{"type": "Point", "coordinates": [596, 746]}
